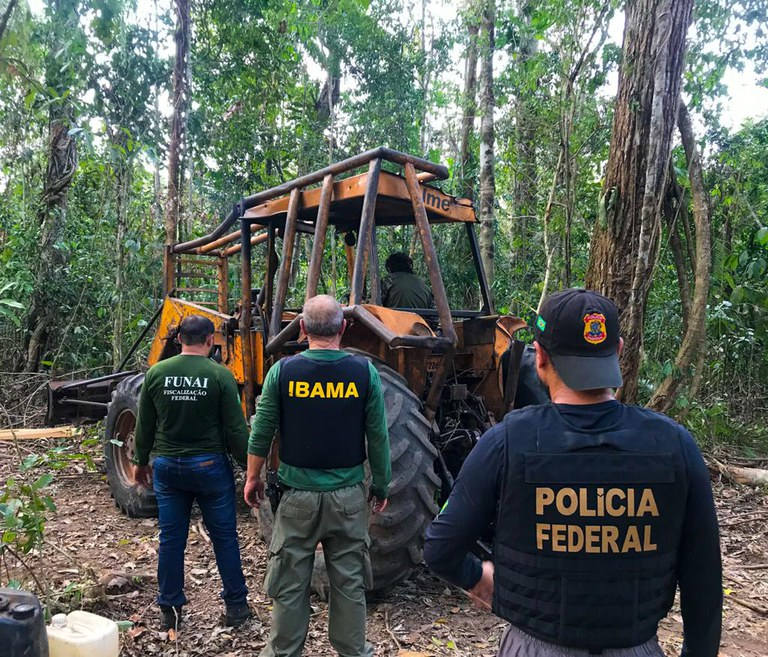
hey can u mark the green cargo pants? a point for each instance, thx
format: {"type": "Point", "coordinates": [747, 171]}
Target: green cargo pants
{"type": "Point", "coordinates": [339, 521]}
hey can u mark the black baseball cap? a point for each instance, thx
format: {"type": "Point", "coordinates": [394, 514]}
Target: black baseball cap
{"type": "Point", "coordinates": [579, 329]}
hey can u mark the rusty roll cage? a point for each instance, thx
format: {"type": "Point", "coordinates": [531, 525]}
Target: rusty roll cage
{"type": "Point", "coordinates": [366, 257]}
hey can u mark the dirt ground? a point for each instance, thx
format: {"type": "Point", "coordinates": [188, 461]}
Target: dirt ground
{"type": "Point", "coordinates": [98, 559]}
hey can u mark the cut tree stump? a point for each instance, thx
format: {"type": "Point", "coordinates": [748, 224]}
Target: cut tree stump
{"type": "Point", "coordinates": [34, 434]}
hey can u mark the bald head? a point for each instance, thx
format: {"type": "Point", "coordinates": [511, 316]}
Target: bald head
{"type": "Point", "coordinates": [322, 316]}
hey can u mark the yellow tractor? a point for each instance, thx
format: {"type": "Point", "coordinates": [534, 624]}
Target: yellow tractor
{"type": "Point", "coordinates": [447, 374]}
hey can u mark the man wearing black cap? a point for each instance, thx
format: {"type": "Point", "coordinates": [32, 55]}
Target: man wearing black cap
{"type": "Point", "coordinates": [601, 509]}
{"type": "Point", "coordinates": [189, 416]}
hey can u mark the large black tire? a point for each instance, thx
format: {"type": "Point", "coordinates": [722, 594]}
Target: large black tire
{"type": "Point", "coordinates": [397, 534]}
{"type": "Point", "coordinates": [120, 424]}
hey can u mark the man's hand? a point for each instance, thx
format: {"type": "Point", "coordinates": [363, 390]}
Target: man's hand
{"type": "Point", "coordinates": [379, 505]}
{"type": "Point", "coordinates": [482, 592]}
{"type": "Point", "coordinates": [143, 476]}
{"type": "Point", "coordinates": [253, 492]}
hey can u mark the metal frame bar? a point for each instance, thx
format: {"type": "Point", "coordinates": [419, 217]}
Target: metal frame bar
{"type": "Point", "coordinates": [245, 319]}
{"type": "Point", "coordinates": [286, 260]}
{"type": "Point", "coordinates": [430, 256]}
{"type": "Point", "coordinates": [367, 219]}
{"type": "Point", "coordinates": [485, 290]}
{"type": "Point", "coordinates": [321, 230]}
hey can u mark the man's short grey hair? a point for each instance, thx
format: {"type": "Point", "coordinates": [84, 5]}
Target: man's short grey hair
{"type": "Point", "coordinates": [322, 316]}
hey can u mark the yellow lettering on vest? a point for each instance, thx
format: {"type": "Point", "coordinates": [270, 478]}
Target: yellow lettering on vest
{"type": "Point", "coordinates": [317, 390]}
{"type": "Point", "coordinates": [351, 390]}
{"type": "Point", "coordinates": [558, 538]}
{"type": "Point", "coordinates": [584, 509]}
{"type": "Point", "coordinates": [631, 502]}
{"type": "Point", "coordinates": [575, 538]}
{"type": "Point", "coordinates": [290, 388]}
{"type": "Point", "coordinates": [600, 502]}
{"type": "Point", "coordinates": [609, 497]}
{"type": "Point", "coordinates": [542, 534]}
{"type": "Point", "coordinates": [567, 502]}
{"type": "Point", "coordinates": [610, 537]}
{"type": "Point", "coordinates": [632, 540]}
{"type": "Point", "coordinates": [592, 539]}
{"type": "Point", "coordinates": [544, 497]}
{"type": "Point", "coordinates": [647, 545]}
{"type": "Point", "coordinates": [647, 504]}
{"type": "Point", "coordinates": [302, 389]}
{"type": "Point", "coordinates": [335, 390]}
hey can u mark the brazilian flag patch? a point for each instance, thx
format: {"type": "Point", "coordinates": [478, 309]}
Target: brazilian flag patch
{"type": "Point", "coordinates": [541, 323]}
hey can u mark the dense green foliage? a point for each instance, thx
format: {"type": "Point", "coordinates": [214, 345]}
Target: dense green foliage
{"type": "Point", "coordinates": [281, 87]}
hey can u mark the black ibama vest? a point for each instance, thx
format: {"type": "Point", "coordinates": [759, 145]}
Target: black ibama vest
{"type": "Point", "coordinates": [588, 530]}
{"type": "Point", "coordinates": [322, 411]}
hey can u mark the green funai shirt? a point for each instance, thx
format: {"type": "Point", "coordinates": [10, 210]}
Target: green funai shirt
{"type": "Point", "coordinates": [190, 405]}
{"type": "Point", "coordinates": [267, 421]}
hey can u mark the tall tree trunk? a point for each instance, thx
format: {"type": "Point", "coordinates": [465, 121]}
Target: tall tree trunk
{"type": "Point", "coordinates": [666, 394]}
{"type": "Point", "coordinates": [487, 178]}
{"type": "Point", "coordinates": [6, 17]}
{"type": "Point", "coordinates": [626, 238]}
{"type": "Point", "coordinates": [122, 183]}
{"type": "Point", "coordinates": [524, 190]}
{"type": "Point", "coordinates": [673, 210]}
{"type": "Point", "coordinates": [178, 122]}
{"type": "Point", "coordinates": [468, 115]}
{"type": "Point", "coordinates": [62, 162]}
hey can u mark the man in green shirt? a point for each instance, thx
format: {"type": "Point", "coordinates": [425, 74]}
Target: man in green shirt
{"type": "Point", "coordinates": [328, 406]}
{"type": "Point", "coordinates": [189, 415]}
{"type": "Point", "coordinates": [401, 288]}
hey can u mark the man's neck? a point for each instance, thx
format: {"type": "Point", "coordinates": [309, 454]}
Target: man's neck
{"type": "Point", "coordinates": [194, 349]}
{"type": "Point", "coordinates": [333, 343]}
{"type": "Point", "coordinates": [562, 394]}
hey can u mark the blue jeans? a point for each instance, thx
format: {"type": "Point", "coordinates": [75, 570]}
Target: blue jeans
{"type": "Point", "coordinates": [178, 481]}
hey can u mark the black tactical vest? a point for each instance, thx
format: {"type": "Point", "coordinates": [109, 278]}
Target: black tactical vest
{"type": "Point", "coordinates": [588, 530]}
{"type": "Point", "coordinates": [322, 412]}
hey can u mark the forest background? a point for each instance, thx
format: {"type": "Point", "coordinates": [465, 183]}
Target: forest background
{"type": "Point", "coordinates": [119, 119]}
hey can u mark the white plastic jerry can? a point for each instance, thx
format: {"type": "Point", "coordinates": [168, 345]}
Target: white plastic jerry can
{"type": "Point", "coordinates": [81, 634]}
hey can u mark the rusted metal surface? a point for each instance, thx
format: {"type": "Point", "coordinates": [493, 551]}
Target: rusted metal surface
{"type": "Point", "coordinates": [231, 237]}
{"type": "Point", "coordinates": [367, 220]}
{"type": "Point", "coordinates": [400, 322]}
{"type": "Point", "coordinates": [335, 169]}
{"type": "Point", "coordinates": [286, 261]}
{"type": "Point", "coordinates": [249, 398]}
{"type": "Point", "coordinates": [81, 399]}
{"type": "Point", "coordinates": [438, 381]}
{"type": "Point", "coordinates": [485, 290]}
{"type": "Point", "coordinates": [374, 275]}
{"type": "Point", "coordinates": [393, 198]}
{"type": "Point", "coordinates": [321, 228]}
{"type": "Point", "coordinates": [423, 338]}
{"type": "Point", "coordinates": [430, 257]}
{"type": "Point", "coordinates": [222, 285]}
{"type": "Point", "coordinates": [256, 239]}
{"type": "Point", "coordinates": [269, 282]}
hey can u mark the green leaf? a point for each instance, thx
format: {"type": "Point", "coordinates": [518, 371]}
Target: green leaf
{"type": "Point", "coordinates": [738, 294]}
{"type": "Point", "coordinates": [42, 481]}
{"type": "Point", "coordinates": [762, 236]}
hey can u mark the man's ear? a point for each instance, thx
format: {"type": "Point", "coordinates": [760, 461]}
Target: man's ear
{"type": "Point", "coordinates": [542, 358]}
{"type": "Point", "coordinates": [621, 346]}
{"type": "Point", "coordinates": [343, 326]}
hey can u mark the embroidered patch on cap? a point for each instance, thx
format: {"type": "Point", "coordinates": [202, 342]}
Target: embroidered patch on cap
{"type": "Point", "coordinates": [541, 323]}
{"type": "Point", "coordinates": [594, 328]}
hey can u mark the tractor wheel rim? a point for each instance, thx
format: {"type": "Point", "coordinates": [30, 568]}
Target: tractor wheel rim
{"type": "Point", "coordinates": [124, 432]}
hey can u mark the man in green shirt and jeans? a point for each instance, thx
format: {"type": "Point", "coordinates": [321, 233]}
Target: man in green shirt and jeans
{"type": "Point", "coordinates": [328, 406]}
{"type": "Point", "coordinates": [189, 415]}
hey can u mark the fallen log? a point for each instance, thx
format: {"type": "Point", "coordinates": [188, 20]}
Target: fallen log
{"type": "Point", "coordinates": [740, 475]}
{"type": "Point", "coordinates": [35, 434]}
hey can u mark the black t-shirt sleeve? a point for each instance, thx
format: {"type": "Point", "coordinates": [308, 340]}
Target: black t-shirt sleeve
{"type": "Point", "coordinates": [699, 569]}
{"type": "Point", "coordinates": [470, 509]}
